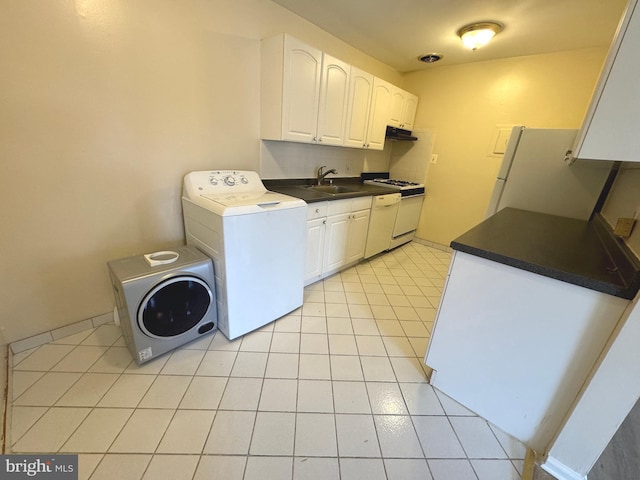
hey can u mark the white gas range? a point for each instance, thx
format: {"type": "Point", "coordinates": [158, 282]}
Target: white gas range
{"type": "Point", "coordinates": [412, 197]}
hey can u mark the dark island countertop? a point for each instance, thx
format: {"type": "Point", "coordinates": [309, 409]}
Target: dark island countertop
{"type": "Point", "coordinates": [583, 253]}
{"type": "Point", "coordinates": [295, 188]}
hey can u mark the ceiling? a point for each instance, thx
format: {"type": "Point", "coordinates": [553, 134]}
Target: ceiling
{"type": "Point", "coordinates": [397, 32]}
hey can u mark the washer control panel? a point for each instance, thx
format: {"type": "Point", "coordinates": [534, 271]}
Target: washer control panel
{"type": "Point", "coordinates": [222, 181]}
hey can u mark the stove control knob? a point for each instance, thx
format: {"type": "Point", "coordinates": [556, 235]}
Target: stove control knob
{"type": "Point", "coordinates": [213, 180]}
{"type": "Point", "coordinates": [244, 180]}
{"type": "Point", "coordinates": [229, 180]}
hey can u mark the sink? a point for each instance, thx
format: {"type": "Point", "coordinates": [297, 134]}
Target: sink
{"type": "Point", "coordinates": [332, 189]}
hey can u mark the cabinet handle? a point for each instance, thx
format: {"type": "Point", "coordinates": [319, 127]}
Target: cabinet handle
{"type": "Point", "coordinates": [317, 210]}
{"type": "Point", "coordinates": [324, 222]}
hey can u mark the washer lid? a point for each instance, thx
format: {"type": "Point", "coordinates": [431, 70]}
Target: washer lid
{"type": "Point", "coordinates": [251, 202]}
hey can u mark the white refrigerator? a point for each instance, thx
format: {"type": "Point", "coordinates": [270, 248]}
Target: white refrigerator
{"type": "Point", "coordinates": [534, 176]}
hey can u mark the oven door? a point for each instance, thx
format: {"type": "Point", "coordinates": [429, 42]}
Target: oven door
{"type": "Point", "coordinates": [408, 215]}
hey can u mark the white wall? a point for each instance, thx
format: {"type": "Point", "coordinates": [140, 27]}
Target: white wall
{"type": "Point", "coordinates": [106, 104]}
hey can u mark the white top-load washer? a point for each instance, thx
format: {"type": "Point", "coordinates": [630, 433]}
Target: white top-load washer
{"type": "Point", "coordinates": [257, 240]}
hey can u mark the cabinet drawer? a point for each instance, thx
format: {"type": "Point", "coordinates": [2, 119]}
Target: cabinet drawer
{"type": "Point", "coordinates": [337, 207]}
{"type": "Point", "coordinates": [317, 210]}
{"type": "Point", "coordinates": [360, 203]}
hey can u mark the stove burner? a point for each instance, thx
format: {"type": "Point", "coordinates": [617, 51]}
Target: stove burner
{"type": "Point", "coordinates": [398, 183]}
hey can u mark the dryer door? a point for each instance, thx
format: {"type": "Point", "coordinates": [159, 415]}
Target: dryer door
{"type": "Point", "coordinates": [174, 307]}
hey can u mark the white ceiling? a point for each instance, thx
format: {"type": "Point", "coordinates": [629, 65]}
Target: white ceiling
{"type": "Point", "coordinates": [397, 32]}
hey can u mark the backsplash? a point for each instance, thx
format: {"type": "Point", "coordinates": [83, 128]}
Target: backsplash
{"type": "Point", "coordinates": [624, 200]}
{"type": "Point", "coordinates": [298, 160]}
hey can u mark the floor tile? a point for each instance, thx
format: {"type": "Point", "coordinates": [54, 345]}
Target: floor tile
{"type": "Point", "coordinates": [408, 469]}
{"type": "Point", "coordinates": [315, 435]}
{"type": "Point", "coordinates": [50, 432]}
{"type": "Point", "coordinates": [342, 345]}
{"type": "Point", "coordinates": [165, 392]}
{"type": "Point", "coordinates": [217, 363]}
{"type": "Point", "coordinates": [397, 436]}
{"type": "Point", "coordinates": [221, 467]}
{"type": "Point", "coordinates": [87, 463]}
{"type": "Point", "coordinates": [316, 469]}
{"type": "Point", "coordinates": [250, 364]}
{"type": "Point", "coordinates": [256, 342]}
{"type": "Point", "coordinates": [495, 469]}
{"type": "Point", "coordinates": [377, 369]}
{"type": "Point", "coordinates": [315, 396]}
{"type": "Point", "coordinates": [48, 389]}
{"type": "Point", "coordinates": [314, 367]}
{"type": "Point", "coordinates": [345, 367]}
{"type": "Point", "coordinates": [313, 325]}
{"type": "Point", "coordinates": [408, 369]}
{"type": "Point", "coordinates": [386, 398]}
{"type": "Point", "coordinates": [365, 326]}
{"type": "Point", "coordinates": [260, 468]}
{"type": "Point", "coordinates": [88, 390]}
{"type": "Point", "coordinates": [513, 448]}
{"type": "Point", "coordinates": [80, 359]}
{"type": "Point", "coordinates": [282, 365]}
{"type": "Point", "coordinates": [314, 343]}
{"type": "Point", "coordinates": [421, 399]}
{"type": "Point", "coordinates": [22, 419]}
{"type": "Point", "coordinates": [477, 438]}
{"type": "Point", "coordinates": [350, 397]}
{"type": "Point", "coordinates": [171, 467]}
{"type": "Point", "coordinates": [339, 326]}
{"type": "Point", "coordinates": [98, 431]}
{"type": "Point", "coordinates": [127, 391]}
{"type": "Point", "coordinates": [288, 323]}
{"type": "Point", "coordinates": [370, 345]}
{"type": "Point", "coordinates": [114, 360]}
{"type": "Point", "coordinates": [122, 467]}
{"type": "Point", "coordinates": [241, 394]}
{"type": "Point", "coordinates": [450, 469]}
{"type": "Point", "coordinates": [437, 438]}
{"type": "Point", "coordinates": [183, 362]}
{"type": "Point", "coordinates": [44, 358]}
{"type": "Point", "coordinates": [230, 433]}
{"type": "Point", "coordinates": [362, 469]}
{"type": "Point", "coordinates": [220, 342]}
{"type": "Point", "coordinates": [273, 434]}
{"type": "Point", "coordinates": [21, 381]}
{"type": "Point", "coordinates": [278, 395]}
{"type": "Point", "coordinates": [356, 436]}
{"type": "Point", "coordinates": [187, 432]}
{"type": "Point", "coordinates": [204, 393]}
{"type": "Point", "coordinates": [104, 336]}
{"type": "Point", "coordinates": [143, 431]}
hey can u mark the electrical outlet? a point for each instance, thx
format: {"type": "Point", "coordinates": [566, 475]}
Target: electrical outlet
{"type": "Point", "coordinates": [624, 227]}
{"type": "Point", "coordinates": [434, 158]}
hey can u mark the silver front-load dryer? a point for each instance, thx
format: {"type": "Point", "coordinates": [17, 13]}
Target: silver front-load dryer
{"type": "Point", "coordinates": [164, 300]}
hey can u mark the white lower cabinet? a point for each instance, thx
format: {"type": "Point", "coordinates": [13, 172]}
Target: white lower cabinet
{"type": "Point", "coordinates": [336, 236]}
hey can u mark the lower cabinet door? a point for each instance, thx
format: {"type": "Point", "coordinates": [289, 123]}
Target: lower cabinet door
{"type": "Point", "coordinates": [315, 249]}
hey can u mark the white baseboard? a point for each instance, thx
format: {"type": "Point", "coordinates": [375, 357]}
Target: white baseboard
{"type": "Point", "coordinates": [560, 471]}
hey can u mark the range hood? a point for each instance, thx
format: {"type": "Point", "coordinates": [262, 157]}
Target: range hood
{"type": "Point", "coordinates": [399, 134]}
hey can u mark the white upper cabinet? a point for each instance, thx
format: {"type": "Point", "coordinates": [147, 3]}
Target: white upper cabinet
{"type": "Point", "coordinates": [332, 111]}
{"type": "Point", "coordinates": [379, 114]}
{"type": "Point", "coordinates": [358, 107]}
{"type": "Point", "coordinates": [610, 130]}
{"type": "Point", "coordinates": [403, 109]}
{"type": "Point", "coordinates": [304, 93]}
{"type": "Point", "coordinates": [311, 97]}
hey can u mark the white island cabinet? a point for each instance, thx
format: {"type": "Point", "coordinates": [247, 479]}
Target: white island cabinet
{"type": "Point", "coordinates": [611, 126]}
{"type": "Point", "coordinates": [515, 347]}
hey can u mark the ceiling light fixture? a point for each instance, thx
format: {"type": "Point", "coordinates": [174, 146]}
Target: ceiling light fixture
{"type": "Point", "coordinates": [479, 34]}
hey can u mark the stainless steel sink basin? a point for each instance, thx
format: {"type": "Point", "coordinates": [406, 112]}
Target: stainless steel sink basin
{"type": "Point", "coordinates": [332, 189]}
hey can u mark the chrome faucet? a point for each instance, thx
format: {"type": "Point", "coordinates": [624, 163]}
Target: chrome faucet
{"type": "Point", "coordinates": [322, 174]}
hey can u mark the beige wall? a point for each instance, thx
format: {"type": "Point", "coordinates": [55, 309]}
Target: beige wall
{"type": "Point", "coordinates": [463, 104]}
{"type": "Point", "coordinates": [106, 104]}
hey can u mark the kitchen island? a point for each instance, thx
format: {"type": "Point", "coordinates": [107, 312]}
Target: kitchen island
{"type": "Point", "coordinates": [528, 306]}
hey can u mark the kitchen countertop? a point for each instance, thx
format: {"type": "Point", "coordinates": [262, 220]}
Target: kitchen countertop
{"type": "Point", "coordinates": [292, 187]}
{"type": "Point", "coordinates": [583, 253]}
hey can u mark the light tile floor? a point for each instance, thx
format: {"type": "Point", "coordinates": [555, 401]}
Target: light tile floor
{"type": "Point", "coordinates": [335, 390]}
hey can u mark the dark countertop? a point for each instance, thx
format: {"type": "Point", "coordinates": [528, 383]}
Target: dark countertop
{"type": "Point", "coordinates": [292, 187]}
{"type": "Point", "coordinates": [584, 253]}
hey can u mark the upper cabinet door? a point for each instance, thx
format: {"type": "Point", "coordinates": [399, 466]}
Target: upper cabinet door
{"type": "Point", "coordinates": [358, 107]}
{"type": "Point", "coordinates": [332, 109]}
{"type": "Point", "coordinates": [610, 130]}
{"type": "Point", "coordinates": [409, 111]}
{"type": "Point", "coordinates": [379, 114]}
{"type": "Point", "coordinates": [301, 91]}
{"type": "Point", "coordinates": [396, 115]}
